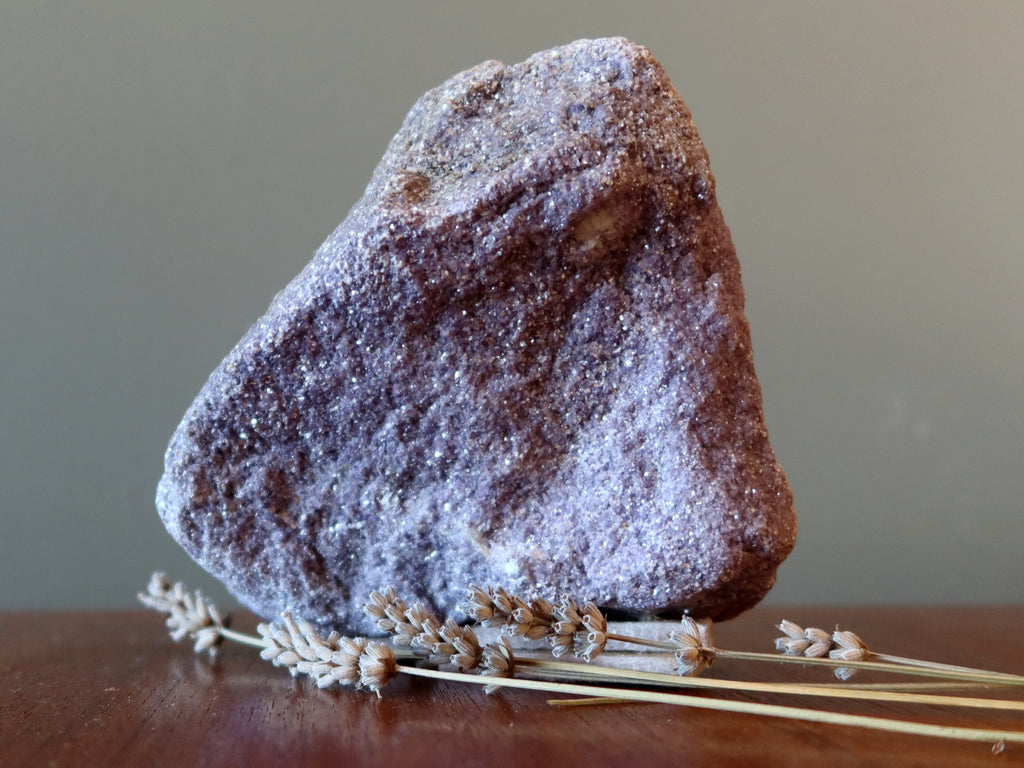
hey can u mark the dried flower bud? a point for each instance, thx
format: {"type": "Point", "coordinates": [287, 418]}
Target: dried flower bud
{"type": "Point", "coordinates": [377, 667]}
{"type": "Point", "coordinates": [208, 639]}
{"type": "Point", "coordinates": [498, 661]}
{"type": "Point", "coordinates": [188, 614]}
{"type": "Point", "coordinates": [479, 606]}
{"type": "Point", "coordinates": [591, 640]}
{"type": "Point", "coordinates": [530, 620]}
{"type": "Point", "coordinates": [695, 643]}
{"type": "Point", "coordinates": [849, 647]}
{"type": "Point", "coordinates": [376, 609]}
{"type": "Point", "coordinates": [791, 646]}
{"type": "Point", "coordinates": [466, 653]}
{"type": "Point", "coordinates": [566, 624]}
{"type": "Point", "coordinates": [811, 642]}
{"type": "Point", "coordinates": [820, 643]}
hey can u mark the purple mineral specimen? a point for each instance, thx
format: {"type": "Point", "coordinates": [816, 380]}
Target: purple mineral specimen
{"type": "Point", "coordinates": [521, 360]}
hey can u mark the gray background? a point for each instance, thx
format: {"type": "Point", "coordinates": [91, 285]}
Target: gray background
{"type": "Point", "coordinates": [166, 167]}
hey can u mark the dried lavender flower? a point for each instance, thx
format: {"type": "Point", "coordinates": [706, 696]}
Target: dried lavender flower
{"type": "Point", "coordinates": [848, 647]}
{"type": "Point", "coordinates": [416, 627]}
{"type": "Point", "coordinates": [480, 607]}
{"type": "Point", "coordinates": [377, 667]}
{"type": "Point", "coordinates": [695, 646]}
{"type": "Point", "coordinates": [189, 614]}
{"type": "Point", "coordinates": [420, 630]}
{"type": "Point", "coordinates": [591, 643]}
{"type": "Point", "coordinates": [377, 608]}
{"type": "Point", "coordinates": [498, 661]}
{"type": "Point", "coordinates": [812, 642]}
{"type": "Point", "coordinates": [531, 620]}
{"type": "Point", "coordinates": [583, 630]}
{"type": "Point", "coordinates": [296, 645]}
{"type": "Point", "coordinates": [466, 652]}
{"type": "Point", "coordinates": [567, 623]}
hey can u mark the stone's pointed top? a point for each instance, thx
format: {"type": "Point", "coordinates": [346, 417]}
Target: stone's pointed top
{"type": "Point", "coordinates": [521, 360]}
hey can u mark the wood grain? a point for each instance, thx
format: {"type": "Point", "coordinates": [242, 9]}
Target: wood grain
{"type": "Point", "coordinates": [110, 688]}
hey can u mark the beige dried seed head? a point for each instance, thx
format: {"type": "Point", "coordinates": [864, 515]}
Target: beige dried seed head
{"type": "Point", "coordinates": [695, 646]}
{"type": "Point", "coordinates": [466, 652]}
{"type": "Point", "coordinates": [498, 661]}
{"type": "Point", "coordinates": [377, 608]}
{"type": "Point", "coordinates": [377, 667]}
{"type": "Point", "coordinates": [478, 606]}
{"type": "Point", "coordinates": [811, 642]}
{"type": "Point", "coordinates": [563, 637]}
{"type": "Point", "coordinates": [849, 647]}
{"type": "Point", "coordinates": [188, 614]}
{"type": "Point", "coordinates": [503, 603]}
{"type": "Point", "coordinates": [590, 641]}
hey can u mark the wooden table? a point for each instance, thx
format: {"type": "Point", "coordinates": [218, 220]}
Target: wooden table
{"type": "Point", "coordinates": [110, 688]}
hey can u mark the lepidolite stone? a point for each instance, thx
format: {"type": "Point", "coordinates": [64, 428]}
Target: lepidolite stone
{"type": "Point", "coordinates": [521, 360]}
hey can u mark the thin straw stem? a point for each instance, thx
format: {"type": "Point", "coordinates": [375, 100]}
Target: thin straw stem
{"type": "Point", "coordinates": [586, 702]}
{"type": "Point", "coordinates": [979, 676]}
{"type": "Point", "coordinates": [883, 662]}
{"type": "Point", "coordinates": [641, 641]}
{"type": "Point", "coordinates": [955, 668]}
{"type": "Point", "coordinates": [654, 678]}
{"type": "Point", "coordinates": [932, 686]}
{"type": "Point", "coordinates": [727, 705]}
{"type": "Point", "coordinates": [241, 637]}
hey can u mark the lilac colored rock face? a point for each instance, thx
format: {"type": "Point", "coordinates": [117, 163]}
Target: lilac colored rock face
{"type": "Point", "coordinates": [522, 360]}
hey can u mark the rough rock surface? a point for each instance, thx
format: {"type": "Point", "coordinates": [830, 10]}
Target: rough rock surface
{"type": "Point", "coordinates": [521, 360]}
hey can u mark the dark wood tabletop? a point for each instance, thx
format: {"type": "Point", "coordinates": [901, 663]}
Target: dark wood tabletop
{"type": "Point", "coordinates": [96, 688]}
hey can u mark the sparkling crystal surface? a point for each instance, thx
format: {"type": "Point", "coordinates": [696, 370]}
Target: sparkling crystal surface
{"type": "Point", "coordinates": [521, 360]}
